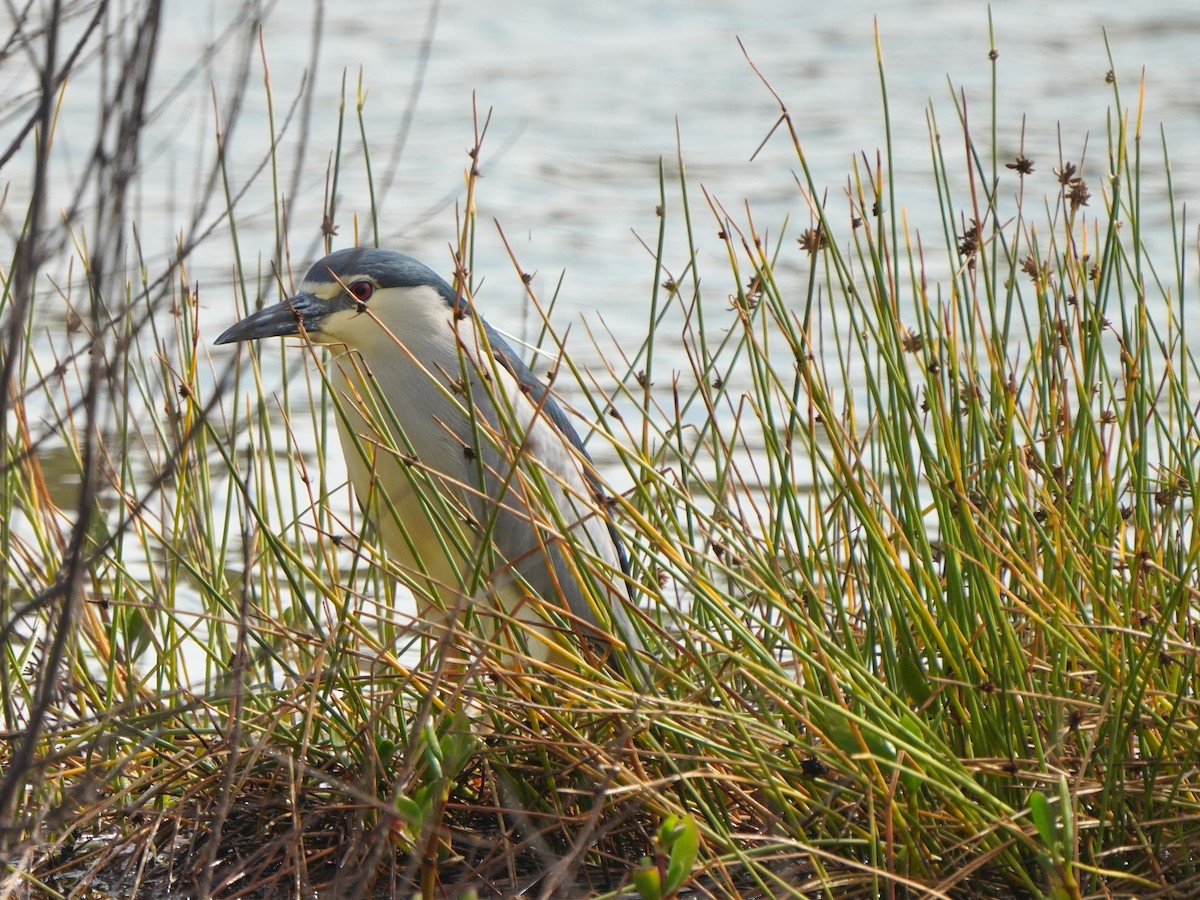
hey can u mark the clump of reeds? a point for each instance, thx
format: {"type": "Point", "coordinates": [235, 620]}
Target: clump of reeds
{"type": "Point", "coordinates": [913, 542]}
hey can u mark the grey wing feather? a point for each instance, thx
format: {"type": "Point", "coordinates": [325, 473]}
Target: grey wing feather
{"type": "Point", "coordinates": [540, 395]}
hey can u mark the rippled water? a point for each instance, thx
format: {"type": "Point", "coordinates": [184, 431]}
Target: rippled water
{"type": "Point", "coordinates": [585, 102]}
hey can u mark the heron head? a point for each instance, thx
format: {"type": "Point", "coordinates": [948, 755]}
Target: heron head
{"type": "Point", "coordinates": [346, 296]}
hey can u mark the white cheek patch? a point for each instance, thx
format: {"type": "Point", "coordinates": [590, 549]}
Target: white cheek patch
{"type": "Point", "coordinates": [414, 321]}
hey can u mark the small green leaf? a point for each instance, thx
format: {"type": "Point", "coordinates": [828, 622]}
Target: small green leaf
{"type": "Point", "coordinates": [646, 881]}
{"type": "Point", "coordinates": [425, 796]}
{"type": "Point", "coordinates": [682, 846]}
{"type": "Point", "coordinates": [433, 749]}
{"type": "Point", "coordinates": [385, 750]}
{"type": "Point", "coordinates": [1043, 819]}
{"type": "Point", "coordinates": [914, 680]}
{"type": "Point", "coordinates": [409, 810]}
{"type": "Point", "coordinates": [458, 744]}
{"type": "Point", "coordinates": [837, 730]}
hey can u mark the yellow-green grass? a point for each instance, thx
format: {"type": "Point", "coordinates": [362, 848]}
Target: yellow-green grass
{"type": "Point", "coordinates": [913, 537]}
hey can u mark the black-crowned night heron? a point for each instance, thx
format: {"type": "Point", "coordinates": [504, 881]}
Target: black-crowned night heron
{"type": "Point", "coordinates": [474, 475]}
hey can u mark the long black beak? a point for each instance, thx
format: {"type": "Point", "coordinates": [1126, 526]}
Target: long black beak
{"type": "Point", "coordinates": [280, 320]}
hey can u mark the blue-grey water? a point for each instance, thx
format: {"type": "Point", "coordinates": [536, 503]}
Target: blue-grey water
{"type": "Point", "coordinates": [585, 100]}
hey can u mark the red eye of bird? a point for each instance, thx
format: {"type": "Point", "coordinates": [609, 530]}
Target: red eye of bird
{"type": "Point", "coordinates": [362, 291]}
